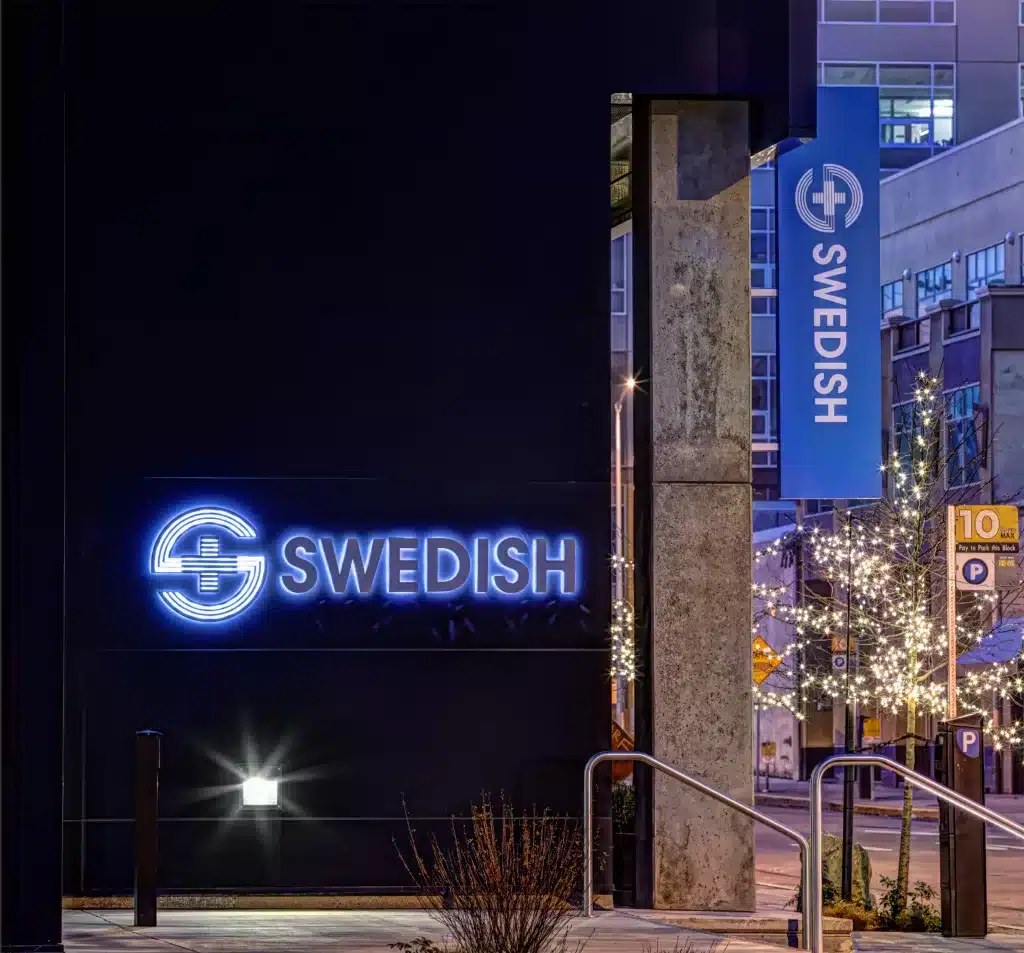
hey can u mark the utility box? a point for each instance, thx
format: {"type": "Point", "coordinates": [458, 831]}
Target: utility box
{"type": "Point", "coordinates": [960, 765]}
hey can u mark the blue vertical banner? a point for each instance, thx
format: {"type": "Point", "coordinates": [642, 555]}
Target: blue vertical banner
{"type": "Point", "coordinates": [830, 374]}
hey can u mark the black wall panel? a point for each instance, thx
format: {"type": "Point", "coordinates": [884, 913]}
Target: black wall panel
{"type": "Point", "coordinates": [346, 267]}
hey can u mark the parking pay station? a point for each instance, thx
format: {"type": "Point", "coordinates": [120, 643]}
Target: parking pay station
{"type": "Point", "coordinates": [960, 765]}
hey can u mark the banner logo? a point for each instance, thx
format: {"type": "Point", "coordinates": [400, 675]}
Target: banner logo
{"type": "Point", "coordinates": [225, 584]}
{"type": "Point", "coordinates": [831, 198]}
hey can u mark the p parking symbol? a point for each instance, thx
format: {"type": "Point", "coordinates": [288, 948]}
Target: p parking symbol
{"type": "Point", "coordinates": [975, 571]}
{"type": "Point", "coordinates": [968, 740]}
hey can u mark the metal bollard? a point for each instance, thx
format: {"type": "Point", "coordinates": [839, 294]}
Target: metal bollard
{"type": "Point", "coordinates": [147, 781]}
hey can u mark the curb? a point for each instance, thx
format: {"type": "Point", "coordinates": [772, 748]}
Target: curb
{"type": "Point", "coordinates": [870, 810]}
{"type": "Point", "coordinates": [256, 902]}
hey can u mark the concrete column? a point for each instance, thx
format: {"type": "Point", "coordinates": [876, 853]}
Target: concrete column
{"type": "Point", "coordinates": [701, 530]}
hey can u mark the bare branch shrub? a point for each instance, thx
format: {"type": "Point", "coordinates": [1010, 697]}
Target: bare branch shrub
{"type": "Point", "coordinates": [505, 883]}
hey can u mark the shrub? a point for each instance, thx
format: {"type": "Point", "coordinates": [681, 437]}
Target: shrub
{"type": "Point", "coordinates": [918, 915]}
{"type": "Point", "coordinates": [862, 919]}
{"type": "Point", "coordinates": [505, 884]}
{"type": "Point", "coordinates": [623, 807]}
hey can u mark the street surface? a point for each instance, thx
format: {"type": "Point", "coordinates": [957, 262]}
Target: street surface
{"type": "Point", "coordinates": [778, 860]}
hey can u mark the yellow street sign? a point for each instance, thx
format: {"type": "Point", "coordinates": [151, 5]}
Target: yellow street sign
{"type": "Point", "coordinates": [872, 727]}
{"type": "Point", "coordinates": [987, 529]}
{"type": "Point", "coordinates": [767, 749]}
{"type": "Point", "coordinates": [766, 659]}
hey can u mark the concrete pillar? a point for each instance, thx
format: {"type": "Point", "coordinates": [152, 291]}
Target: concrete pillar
{"type": "Point", "coordinates": [703, 853]}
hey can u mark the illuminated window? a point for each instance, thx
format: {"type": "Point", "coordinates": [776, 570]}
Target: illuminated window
{"type": "Point", "coordinates": [933, 285]}
{"type": "Point", "coordinates": [962, 463]}
{"type": "Point", "coordinates": [915, 100]}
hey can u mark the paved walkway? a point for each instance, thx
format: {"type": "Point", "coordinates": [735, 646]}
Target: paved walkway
{"type": "Point", "coordinates": [369, 931]}
{"type": "Point", "coordinates": [349, 931]}
{"type": "Point", "coordinates": [930, 943]}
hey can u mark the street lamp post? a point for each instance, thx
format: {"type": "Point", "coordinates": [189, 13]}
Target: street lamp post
{"type": "Point", "coordinates": [620, 570]}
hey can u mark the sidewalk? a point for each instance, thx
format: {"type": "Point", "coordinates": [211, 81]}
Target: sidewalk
{"type": "Point", "coordinates": [887, 802]}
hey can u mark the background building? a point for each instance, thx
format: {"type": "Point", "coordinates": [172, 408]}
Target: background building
{"type": "Point", "coordinates": [946, 72]}
{"type": "Point", "coordinates": [952, 304]}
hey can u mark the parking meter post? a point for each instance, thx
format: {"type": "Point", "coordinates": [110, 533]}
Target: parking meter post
{"type": "Point", "coordinates": [960, 766]}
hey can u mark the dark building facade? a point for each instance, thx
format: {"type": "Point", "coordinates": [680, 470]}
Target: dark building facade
{"type": "Point", "coordinates": [289, 268]}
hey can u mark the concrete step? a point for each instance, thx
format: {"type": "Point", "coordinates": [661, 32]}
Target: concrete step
{"type": "Point", "coordinates": [775, 929]}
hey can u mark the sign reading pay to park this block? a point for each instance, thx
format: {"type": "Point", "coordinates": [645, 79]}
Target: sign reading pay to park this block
{"type": "Point", "coordinates": [987, 542]}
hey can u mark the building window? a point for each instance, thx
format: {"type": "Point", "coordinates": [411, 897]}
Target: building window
{"type": "Point", "coordinates": [904, 425]}
{"type": "Point", "coordinates": [933, 285]}
{"type": "Point", "coordinates": [887, 11]}
{"type": "Point", "coordinates": [619, 275]}
{"type": "Point", "coordinates": [915, 100]}
{"type": "Point", "coordinates": [912, 334]}
{"type": "Point", "coordinates": [962, 463]}
{"type": "Point", "coordinates": [963, 318]}
{"type": "Point", "coordinates": [763, 379]}
{"type": "Point", "coordinates": [762, 248]}
{"type": "Point", "coordinates": [621, 304]}
{"type": "Point", "coordinates": [892, 297]}
{"type": "Point", "coordinates": [985, 267]}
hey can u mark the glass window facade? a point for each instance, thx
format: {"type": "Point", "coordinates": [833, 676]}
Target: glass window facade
{"type": "Point", "coordinates": [985, 267]}
{"type": "Point", "coordinates": [962, 464]}
{"type": "Point", "coordinates": [887, 11]}
{"type": "Point", "coordinates": [915, 104]}
{"type": "Point", "coordinates": [933, 285]}
{"type": "Point", "coordinates": [762, 248]}
{"type": "Point", "coordinates": [619, 266]}
{"type": "Point", "coordinates": [763, 381]}
{"type": "Point", "coordinates": [892, 296]}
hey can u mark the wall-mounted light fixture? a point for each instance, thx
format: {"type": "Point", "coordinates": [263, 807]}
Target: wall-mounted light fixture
{"type": "Point", "coordinates": [1011, 238]}
{"type": "Point", "coordinates": [260, 788]}
{"type": "Point", "coordinates": [907, 274]}
{"type": "Point", "coordinates": [956, 255]}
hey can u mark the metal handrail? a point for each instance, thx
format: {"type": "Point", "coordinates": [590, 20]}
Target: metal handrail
{"type": "Point", "coordinates": [588, 823]}
{"type": "Point", "coordinates": [918, 780]}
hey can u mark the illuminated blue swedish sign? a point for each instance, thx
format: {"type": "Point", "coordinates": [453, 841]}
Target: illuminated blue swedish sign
{"type": "Point", "coordinates": [209, 565]}
{"type": "Point", "coordinates": [830, 376]}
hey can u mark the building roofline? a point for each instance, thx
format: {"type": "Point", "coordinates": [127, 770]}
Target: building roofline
{"type": "Point", "coordinates": [938, 157]}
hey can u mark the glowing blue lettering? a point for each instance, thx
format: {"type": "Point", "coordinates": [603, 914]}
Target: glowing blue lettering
{"type": "Point", "coordinates": [212, 550]}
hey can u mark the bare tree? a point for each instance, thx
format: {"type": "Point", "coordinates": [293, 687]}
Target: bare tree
{"type": "Point", "coordinates": [884, 576]}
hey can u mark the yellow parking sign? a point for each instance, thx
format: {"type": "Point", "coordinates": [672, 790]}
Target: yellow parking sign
{"type": "Point", "coordinates": [987, 529]}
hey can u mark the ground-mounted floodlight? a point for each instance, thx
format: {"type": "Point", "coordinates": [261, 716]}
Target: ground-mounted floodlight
{"type": "Point", "coordinates": [260, 788]}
